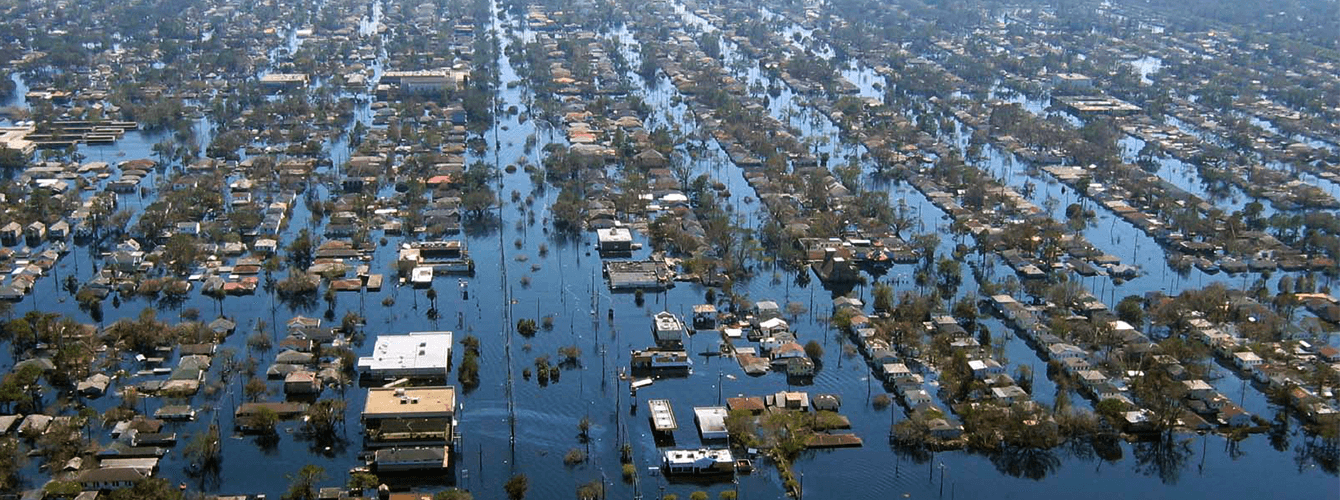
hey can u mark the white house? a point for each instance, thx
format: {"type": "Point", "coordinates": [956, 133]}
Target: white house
{"type": "Point", "coordinates": [1059, 352]}
{"type": "Point", "coordinates": [191, 228]}
{"type": "Point", "coordinates": [1198, 389]}
{"type": "Point", "coordinates": [772, 325]}
{"type": "Point", "coordinates": [767, 309]}
{"type": "Point", "coordinates": [894, 371]}
{"type": "Point", "coordinates": [1246, 360]}
{"type": "Point", "coordinates": [983, 368]}
{"type": "Point", "coordinates": [1091, 378]}
{"type": "Point", "coordinates": [883, 355]}
{"type": "Point", "coordinates": [916, 396]}
{"type": "Point", "coordinates": [1009, 394]}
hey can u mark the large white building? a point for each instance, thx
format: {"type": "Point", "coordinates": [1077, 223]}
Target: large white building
{"type": "Point", "coordinates": [421, 81]}
{"type": "Point", "coordinates": [417, 355]}
{"type": "Point", "coordinates": [711, 421]}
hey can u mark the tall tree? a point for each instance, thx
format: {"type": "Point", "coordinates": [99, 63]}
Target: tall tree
{"type": "Point", "coordinates": [302, 484]}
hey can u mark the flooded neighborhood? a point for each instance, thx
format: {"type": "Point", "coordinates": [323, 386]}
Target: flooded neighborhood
{"type": "Point", "coordinates": [329, 249]}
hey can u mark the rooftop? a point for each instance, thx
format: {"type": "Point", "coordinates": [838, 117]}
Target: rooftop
{"type": "Point", "coordinates": [422, 402]}
{"type": "Point", "coordinates": [614, 234]}
{"type": "Point", "coordinates": [662, 416]}
{"type": "Point", "coordinates": [685, 457]}
{"type": "Point", "coordinates": [390, 456]}
{"type": "Point", "coordinates": [711, 421]}
{"type": "Point", "coordinates": [423, 73]}
{"type": "Point", "coordinates": [284, 78]}
{"type": "Point", "coordinates": [667, 322]}
{"type": "Point", "coordinates": [414, 354]}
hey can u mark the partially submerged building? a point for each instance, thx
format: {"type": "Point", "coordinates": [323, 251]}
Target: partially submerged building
{"type": "Point", "coordinates": [409, 417]}
{"type": "Point", "coordinates": [417, 356]}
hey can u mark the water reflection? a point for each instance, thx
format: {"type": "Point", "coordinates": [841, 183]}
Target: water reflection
{"type": "Point", "coordinates": [1164, 457]}
{"type": "Point", "coordinates": [267, 443]}
{"type": "Point", "coordinates": [209, 477]}
{"type": "Point", "coordinates": [1026, 462]}
{"type": "Point", "coordinates": [1319, 451]}
{"type": "Point", "coordinates": [1107, 446]}
{"type": "Point", "coordinates": [913, 450]}
{"type": "Point", "coordinates": [302, 303]}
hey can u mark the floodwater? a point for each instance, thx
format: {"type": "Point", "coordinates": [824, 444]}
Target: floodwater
{"type": "Point", "coordinates": [525, 427]}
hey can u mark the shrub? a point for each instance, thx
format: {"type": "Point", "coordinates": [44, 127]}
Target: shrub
{"type": "Point", "coordinates": [814, 350]}
{"type": "Point", "coordinates": [468, 372]}
{"type": "Point", "coordinates": [516, 487]}
{"type": "Point", "coordinates": [526, 327]}
{"type": "Point", "coordinates": [570, 353]}
{"type": "Point", "coordinates": [881, 401]}
{"type": "Point", "coordinates": [574, 457]}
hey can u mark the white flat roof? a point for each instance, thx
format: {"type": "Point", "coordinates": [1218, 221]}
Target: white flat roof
{"type": "Point", "coordinates": [711, 421]}
{"type": "Point", "coordinates": [614, 234]}
{"type": "Point", "coordinates": [417, 353]}
{"type": "Point", "coordinates": [284, 78]}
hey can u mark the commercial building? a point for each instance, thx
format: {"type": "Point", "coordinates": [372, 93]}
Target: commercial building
{"type": "Point", "coordinates": [403, 417]}
{"type": "Point", "coordinates": [284, 80]}
{"type": "Point", "coordinates": [711, 422]}
{"type": "Point", "coordinates": [417, 355]}
{"type": "Point", "coordinates": [16, 139]}
{"type": "Point", "coordinates": [615, 240]}
{"type": "Point", "coordinates": [702, 461]}
{"type": "Point", "coordinates": [668, 330]}
{"type": "Point", "coordinates": [424, 81]}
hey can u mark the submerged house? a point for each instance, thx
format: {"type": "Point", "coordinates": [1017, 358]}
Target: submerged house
{"type": "Point", "coordinates": [702, 461]}
{"type": "Point", "coordinates": [668, 330]}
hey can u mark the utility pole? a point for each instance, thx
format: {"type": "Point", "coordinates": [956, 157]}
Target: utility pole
{"type": "Point", "coordinates": [942, 479]}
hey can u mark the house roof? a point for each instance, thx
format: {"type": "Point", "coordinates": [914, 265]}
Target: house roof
{"type": "Point", "coordinates": [754, 404]}
{"type": "Point", "coordinates": [111, 475]}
